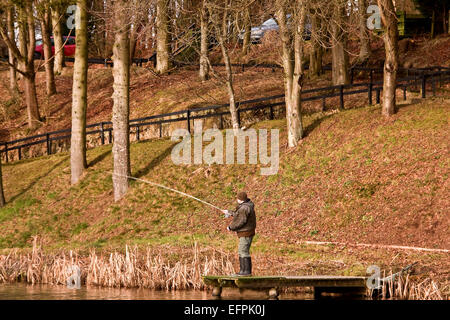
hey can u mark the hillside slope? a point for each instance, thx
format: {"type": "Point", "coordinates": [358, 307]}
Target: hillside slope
{"type": "Point", "coordinates": [356, 177]}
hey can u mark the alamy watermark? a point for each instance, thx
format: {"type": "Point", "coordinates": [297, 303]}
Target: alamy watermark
{"type": "Point", "coordinates": [217, 150]}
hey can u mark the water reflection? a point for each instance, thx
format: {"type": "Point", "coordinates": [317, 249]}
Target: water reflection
{"type": "Point", "coordinates": [20, 291]}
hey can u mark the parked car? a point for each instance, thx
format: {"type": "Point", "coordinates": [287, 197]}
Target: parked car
{"type": "Point", "coordinates": [257, 33]}
{"type": "Point", "coordinates": [69, 47]}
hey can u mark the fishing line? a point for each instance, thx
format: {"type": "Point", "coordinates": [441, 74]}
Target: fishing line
{"type": "Point", "coordinates": [167, 188]}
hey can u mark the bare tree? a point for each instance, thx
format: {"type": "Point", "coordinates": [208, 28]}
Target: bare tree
{"type": "Point", "coordinates": [44, 13]}
{"type": "Point", "coordinates": [219, 17]}
{"type": "Point", "coordinates": [162, 36]}
{"type": "Point", "coordinates": [25, 55]}
{"type": "Point", "coordinates": [204, 42]}
{"type": "Point", "coordinates": [121, 98]}
{"type": "Point", "coordinates": [364, 51]}
{"type": "Point", "coordinates": [12, 60]}
{"type": "Point", "coordinates": [291, 35]}
{"type": "Point", "coordinates": [57, 10]}
{"type": "Point", "coordinates": [247, 31]}
{"type": "Point", "coordinates": [340, 64]}
{"type": "Point", "coordinates": [390, 37]}
{"type": "Point", "coordinates": [79, 95]}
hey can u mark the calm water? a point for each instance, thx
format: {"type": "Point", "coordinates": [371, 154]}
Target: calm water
{"type": "Point", "coordinates": [20, 291]}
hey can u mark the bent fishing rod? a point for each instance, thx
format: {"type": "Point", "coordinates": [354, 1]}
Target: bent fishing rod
{"type": "Point", "coordinates": [167, 188]}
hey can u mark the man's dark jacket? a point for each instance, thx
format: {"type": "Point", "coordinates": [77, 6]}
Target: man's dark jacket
{"type": "Point", "coordinates": [244, 219]}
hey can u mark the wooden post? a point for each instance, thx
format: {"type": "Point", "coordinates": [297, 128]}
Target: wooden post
{"type": "Point", "coordinates": [369, 93]}
{"type": "Point", "coordinates": [323, 104]}
{"type": "Point", "coordinates": [341, 97]}
{"type": "Point", "coordinates": [239, 117]}
{"type": "Point", "coordinates": [221, 122]}
{"type": "Point", "coordinates": [188, 116]}
{"type": "Point", "coordinates": [378, 95]}
{"type": "Point", "coordinates": [160, 129]}
{"type": "Point", "coordinates": [424, 85]}
{"type": "Point", "coordinates": [102, 133]}
{"type": "Point", "coordinates": [271, 113]}
{"type": "Point", "coordinates": [110, 136]}
{"type": "Point", "coordinates": [137, 133]}
{"type": "Point", "coordinates": [433, 85]}
{"type": "Point", "coordinates": [20, 153]}
{"type": "Point", "coordinates": [6, 151]}
{"type": "Point", "coordinates": [49, 151]}
{"type": "Point", "coordinates": [217, 291]}
{"type": "Point", "coordinates": [404, 92]}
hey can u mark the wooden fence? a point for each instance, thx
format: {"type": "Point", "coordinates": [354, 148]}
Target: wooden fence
{"type": "Point", "coordinates": [422, 78]}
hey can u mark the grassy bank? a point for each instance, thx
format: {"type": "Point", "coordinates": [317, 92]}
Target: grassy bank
{"type": "Point", "coordinates": [355, 178]}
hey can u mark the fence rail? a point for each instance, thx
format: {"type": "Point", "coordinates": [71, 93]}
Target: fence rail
{"type": "Point", "coordinates": [422, 78]}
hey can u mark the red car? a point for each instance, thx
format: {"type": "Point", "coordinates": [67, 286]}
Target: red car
{"type": "Point", "coordinates": [69, 47]}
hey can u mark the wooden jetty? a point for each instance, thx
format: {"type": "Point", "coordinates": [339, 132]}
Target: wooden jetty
{"type": "Point", "coordinates": [272, 284]}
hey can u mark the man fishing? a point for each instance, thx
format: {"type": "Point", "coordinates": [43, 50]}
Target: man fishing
{"type": "Point", "coordinates": [244, 224]}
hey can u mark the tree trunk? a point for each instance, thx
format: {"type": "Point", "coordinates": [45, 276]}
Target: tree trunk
{"type": "Point", "coordinates": [221, 32]}
{"type": "Point", "coordinates": [25, 57]}
{"type": "Point", "coordinates": [30, 83]}
{"type": "Point", "coordinates": [46, 33]}
{"type": "Point", "coordinates": [162, 35]}
{"type": "Point", "coordinates": [58, 40]}
{"type": "Point", "coordinates": [2, 195]}
{"type": "Point", "coordinates": [339, 43]}
{"type": "Point", "coordinates": [121, 98]}
{"type": "Point", "coordinates": [247, 32]}
{"type": "Point", "coordinates": [31, 101]}
{"type": "Point", "coordinates": [390, 37]}
{"type": "Point", "coordinates": [364, 51]}
{"type": "Point", "coordinates": [79, 97]}
{"type": "Point", "coordinates": [316, 53]}
{"type": "Point", "coordinates": [204, 44]}
{"type": "Point", "coordinates": [12, 60]}
{"type": "Point", "coordinates": [292, 47]}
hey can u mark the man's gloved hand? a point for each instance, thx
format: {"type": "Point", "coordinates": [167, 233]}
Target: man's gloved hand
{"type": "Point", "coordinates": [227, 213]}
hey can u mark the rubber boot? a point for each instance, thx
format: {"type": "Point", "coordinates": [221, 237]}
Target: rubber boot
{"type": "Point", "coordinates": [247, 267]}
{"type": "Point", "coordinates": [241, 267]}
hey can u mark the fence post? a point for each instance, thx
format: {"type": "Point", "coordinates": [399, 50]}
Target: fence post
{"type": "Point", "coordinates": [6, 151]}
{"type": "Point", "coordinates": [341, 97]}
{"type": "Point", "coordinates": [160, 129]}
{"type": "Point", "coordinates": [102, 132]}
{"type": "Point", "coordinates": [49, 146]}
{"type": "Point", "coordinates": [221, 122]}
{"type": "Point", "coordinates": [378, 95]}
{"type": "Point", "coordinates": [239, 117]}
{"type": "Point", "coordinates": [137, 133]}
{"type": "Point", "coordinates": [271, 113]}
{"type": "Point", "coordinates": [433, 85]}
{"type": "Point", "coordinates": [404, 92]}
{"type": "Point", "coordinates": [424, 85]}
{"type": "Point", "coordinates": [20, 153]}
{"type": "Point", "coordinates": [369, 92]}
{"type": "Point", "coordinates": [188, 116]}
{"type": "Point", "coordinates": [110, 135]}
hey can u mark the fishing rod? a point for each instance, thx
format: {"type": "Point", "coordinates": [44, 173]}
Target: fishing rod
{"type": "Point", "coordinates": [167, 188]}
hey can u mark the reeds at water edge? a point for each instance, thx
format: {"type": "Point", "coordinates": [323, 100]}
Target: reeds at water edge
{"type": "Point", "coordinates": [148, 268]}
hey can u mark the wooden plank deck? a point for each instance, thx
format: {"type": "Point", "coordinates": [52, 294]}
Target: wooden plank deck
{"type": "Point", "coordinates": [321, 283]}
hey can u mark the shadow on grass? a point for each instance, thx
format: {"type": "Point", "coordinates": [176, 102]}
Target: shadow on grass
{"type": "Point", "coordinates": [310, 128]}
{"type": "Point", "coordinates": [157, 160]}
{"type": "Point", "coordinates": [99, 158]}
{"type": "Point", "coordinates": [35, 181]}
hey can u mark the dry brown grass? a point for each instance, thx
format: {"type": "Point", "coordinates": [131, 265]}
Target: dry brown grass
{"type": "Point", "coordinates": [405, 288]}
{"type": "Point", "coordinates": [149, 268]}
